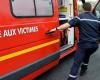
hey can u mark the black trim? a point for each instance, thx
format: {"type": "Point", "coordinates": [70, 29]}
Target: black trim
{"type": "Point", "coordinates": [35, 7]}
{"type": "Point", "coordinates": [30, 16]}
{"type": "Point", "coordinates": [16, 75]}
{"type": "Point", "coordinates": [83, 1]}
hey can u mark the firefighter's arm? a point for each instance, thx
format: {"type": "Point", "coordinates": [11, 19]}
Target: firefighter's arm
{"type": "Point", "coordinates": [61, 27]}
{"type": "Point", "coordinates": [64, 26]}
{"type": "Point", "coordinates": [71, 23]}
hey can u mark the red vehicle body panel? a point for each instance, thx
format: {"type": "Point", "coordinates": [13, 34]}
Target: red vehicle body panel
{"type": "Point", "coordinates": [14, 42]}
{"type": "Point", "coordinates": [21, 48]}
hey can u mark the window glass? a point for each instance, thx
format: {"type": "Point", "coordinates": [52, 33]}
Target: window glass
{"type": "Point", "coordinates": [97, 10]}
{"type": "Point", "coordinates": [44, 7]}
{"type": "Point", "coordinates": [80, 6]}
{"type": "Point", "coordinates": [65, 9]}
{"type": "Point", "coordinates": [23, 7]}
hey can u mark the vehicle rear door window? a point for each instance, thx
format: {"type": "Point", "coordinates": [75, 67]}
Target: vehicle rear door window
{"type": "Point", "coordinates": [31, 8]}
{"type": "Point", "coordinates": [23, 7]}
{"type": "Point", "coordinates": [44, 7]}
{"type": "Point", "coordinates": [97, 10]}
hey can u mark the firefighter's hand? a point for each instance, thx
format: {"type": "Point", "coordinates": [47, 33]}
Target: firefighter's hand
{"type": "Point", "coordinates": [51, 31]}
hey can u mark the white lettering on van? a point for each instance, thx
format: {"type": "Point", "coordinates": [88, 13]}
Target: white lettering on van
{"type": "Point", "coordinates": [27, 30]}
{"type": "Point", "coordinates": [18, 31]}
{"type": "Point", "coordinates": [10, 32]}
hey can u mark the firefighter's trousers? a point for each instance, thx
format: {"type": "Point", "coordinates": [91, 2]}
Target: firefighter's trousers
{"type": "Point", "coordinates": [82, 55]}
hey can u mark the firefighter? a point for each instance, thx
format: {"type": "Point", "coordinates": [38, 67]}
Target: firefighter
{"type": "Point", "coordinates": [89, 27]}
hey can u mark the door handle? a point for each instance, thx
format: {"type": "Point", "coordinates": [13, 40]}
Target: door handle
{"type": "Point", "coordinates": [50, 32]}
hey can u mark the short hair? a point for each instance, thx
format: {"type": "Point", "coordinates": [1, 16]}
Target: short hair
{"type": "Point", "coordinates": [87, 6]}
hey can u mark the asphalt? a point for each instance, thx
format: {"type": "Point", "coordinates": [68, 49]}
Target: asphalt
{"type": "Point", "coordinates": [60, 72]}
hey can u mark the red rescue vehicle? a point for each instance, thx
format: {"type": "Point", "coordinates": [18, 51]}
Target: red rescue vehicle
{"type": "Point", "coordinates": [25, 50]}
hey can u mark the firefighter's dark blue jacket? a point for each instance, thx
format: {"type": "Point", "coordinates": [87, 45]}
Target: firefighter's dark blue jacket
{"type": "Point", "coordinates": [89, 26]}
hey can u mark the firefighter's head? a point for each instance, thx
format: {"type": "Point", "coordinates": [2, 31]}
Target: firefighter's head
{"type": "Point", "coordinates": [87, 6]}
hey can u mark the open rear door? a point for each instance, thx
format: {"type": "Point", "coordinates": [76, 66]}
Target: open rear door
{"type": "Point", "coordinates": [66, 12]}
